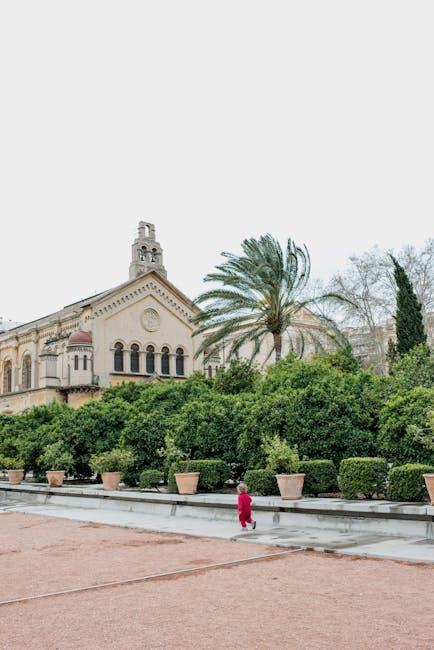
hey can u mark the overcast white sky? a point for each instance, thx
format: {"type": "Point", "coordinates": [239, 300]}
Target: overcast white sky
{"type": "Point", "coordinates": [214, 120]}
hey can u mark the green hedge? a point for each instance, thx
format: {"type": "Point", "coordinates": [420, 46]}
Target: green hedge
{"type": "Point", "coordinates": [366, 476]}
{"type": "Point", "coordinates": [261, 481]}
{"type": "Point", "coordinates": [150, 478]}
{"type": "Point", "coordinates": [406, 482]}
{"type": "Point", "coordinates": [320, 476]}
{"type": "Point", "coordinates": [213, 473]}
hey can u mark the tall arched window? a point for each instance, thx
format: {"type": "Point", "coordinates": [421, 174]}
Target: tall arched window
{"type": "Point", "coordinates": [85, 362]}
{"type": "Point", "coordinates": [76, 362]}
{"type": "Point", "coordinates": [209, 371]}
{"type": "Point", "coordinates": [27, 371]}
{"type": "Point", "coordinates": [134, 358]}
{"type": "Point", "coordinates": [179, 361]}
{"type": "Point", "coordinates": [7, 377]}
{"type": "Point", "coordinates": [150, 359]}
{"type": "Point", "coordinates": [119, 357]}
{"type": "Point", "coordinates": [165, 361]}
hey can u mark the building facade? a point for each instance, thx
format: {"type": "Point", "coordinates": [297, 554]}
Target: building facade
{"type": "Point", "coordinates": [138, 331]}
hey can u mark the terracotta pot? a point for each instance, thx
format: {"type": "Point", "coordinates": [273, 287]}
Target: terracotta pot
{"type": "Point", "coordinates": [290, 485]}
{"type": "Point", "coordinates": [429, 481]}
{"type": "Point", "coordinates": [187, 482]}
{"type": "Point", "coordinates": [55, 477]}
{"type": "Point", "coordinates": [111, 480]}
{"type": "Point", "coordinates": [15, 476]}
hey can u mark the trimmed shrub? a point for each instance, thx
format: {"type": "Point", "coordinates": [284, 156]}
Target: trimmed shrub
{"type": "Point", "coordinates": [213, 473]}
{"type": "Point", "coordinates": [365, 476]}
{"type": "Point", "coordinates": [150, 478]}
{"type": "Point", "coordinates": [261, 481]}
{"type": "Point", "coordinates": [320, 476]}
{"type": "Point", "coordinates": [406, 482]}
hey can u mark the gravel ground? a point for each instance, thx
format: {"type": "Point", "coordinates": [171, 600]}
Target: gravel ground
{"type": "Point", "coordinates": [303, 600]}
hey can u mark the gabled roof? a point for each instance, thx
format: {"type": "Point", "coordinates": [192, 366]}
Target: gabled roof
{"type": "Point", "coordinates": [74, 307]}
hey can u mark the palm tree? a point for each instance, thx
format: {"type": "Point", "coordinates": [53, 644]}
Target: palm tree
{"type": "Point", "coordinates": [260, 294]}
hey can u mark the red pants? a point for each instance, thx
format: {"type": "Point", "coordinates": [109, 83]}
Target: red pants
{"type": "Point", "coordinates": [245, 518]}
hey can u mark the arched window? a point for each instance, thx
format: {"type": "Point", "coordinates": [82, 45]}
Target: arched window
{"type": "Point", "coordinates": [119, 357]}
{"type": "Point", "coordinates": [150, 359]}
{"type": "Point", "coordinates": [7, 377]}
{"type": "Point", "coordinates": [27, 372]}
{"type": "Point", "coordinates": [142, 254]}
{"type": "Point", "coordinates": [76, 362]}
{"type": "Point", "coordinates": [85, 362]}
{"type": "Point", "coordinates": [165, 361]}
{"type": "Point", "coordinates": [179, 361]}
{"type": "Point", "coordinates": [209, 371]}
{"type": "Point", "coordinates": [134, 358]}
{"type": "Point", "coordinates": [216, 369]}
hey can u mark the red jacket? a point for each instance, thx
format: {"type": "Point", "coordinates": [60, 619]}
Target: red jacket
{"type": "Point", "coordinates": [244, 504]}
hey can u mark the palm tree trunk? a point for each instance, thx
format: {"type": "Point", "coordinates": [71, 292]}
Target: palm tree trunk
{"type": "Point", "coordinates": [278, 345]}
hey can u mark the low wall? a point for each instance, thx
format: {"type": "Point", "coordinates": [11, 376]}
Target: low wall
{"type": "Point", "coordinates": [379, 517]}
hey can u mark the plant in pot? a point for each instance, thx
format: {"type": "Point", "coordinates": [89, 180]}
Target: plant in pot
{"type": "Point", "coordinates": [57, 463]}
{"type": "Point", "coordinates": [284, 461]}
{"type": "Point", "coordinates": [111, 465]}
{"type": "Point", "coordinates": [186, 481]}
{"type": "Point", "coordinates": [13, 465]}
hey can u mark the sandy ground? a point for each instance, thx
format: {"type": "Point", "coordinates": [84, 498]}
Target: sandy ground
{"type": "Point", "coordinates": [299, 601]}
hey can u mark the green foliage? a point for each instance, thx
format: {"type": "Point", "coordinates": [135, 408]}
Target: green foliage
{"type": "Point", "coordinates": [240, 377]}
{"type": "Point", "coordinates": [321, 476]}
{"type": "Point", "coordinates": [257, 295]}
{"type": "Point", "coordinates": [55, 458]}
{"type": "Point", "coordinates": [343, 359]}
{"type": "Point", "coordinates": [150, 479]}
{"type": "Point", "coordinates": [262, 482]}
{"type": "Point", "coordinates": [366, 476]}
{"type": "Point", "coordinates": [116, 460]}
{"type": "Point", "coordinates": [407, 428]}
{"type": "Point", "coordinates": [415, 369]}
{"type": "Point", "coordinates": [213, 473]}
{"type": "Point", "coordinates": [143, 434]}
{"type": "Point", "coordinates": [409, 322]}
{"type": "Point", "coordinates": [207, 427]}
{"type": "Point", "coordinates": [11, 462]}
{"type": "Point", "coordinates": [406, 483]}
{"type": "Point", "coordinates": [281, 458]}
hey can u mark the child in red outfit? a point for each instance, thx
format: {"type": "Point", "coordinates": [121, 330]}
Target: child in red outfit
{"type": "Point", "coordinates": [245, 507]}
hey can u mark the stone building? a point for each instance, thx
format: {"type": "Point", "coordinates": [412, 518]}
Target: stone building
{"type": "Point", "coordinates": [137, 331]}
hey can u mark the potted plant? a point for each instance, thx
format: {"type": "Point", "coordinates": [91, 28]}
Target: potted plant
{"type": "Point", "coordinates": [284, 461]}
{"type": "Point", "coordinates": [111, 465]}
{"type": "Point", "coordinates": [57, 462]}
{"type": "Point", "coordinates": [13, 467]}
{"type": "Point", "coordinates": [186, 481]}
{"type": "Point", "coordinates": [429, 482]}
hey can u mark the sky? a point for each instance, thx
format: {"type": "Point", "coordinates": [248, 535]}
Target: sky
{"type": "Point", "coordinates": [215, 120]}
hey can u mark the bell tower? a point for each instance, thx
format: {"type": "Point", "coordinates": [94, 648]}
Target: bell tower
{"type": "Point", "coordinates": [147, 254]}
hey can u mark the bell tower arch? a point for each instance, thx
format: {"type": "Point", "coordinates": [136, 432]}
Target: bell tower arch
{"type": "Point", "coordinates": [146, 252]}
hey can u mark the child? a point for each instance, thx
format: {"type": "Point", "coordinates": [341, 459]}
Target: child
{"type": "Point", "coordinates": [244, 507]}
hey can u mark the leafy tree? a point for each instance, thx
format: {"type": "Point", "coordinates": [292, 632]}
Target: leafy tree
{"type": "Point", "coordinates": [407, 427]}
{"type": "Point", "coordinates": [239, 377]}
{"type": "Point", "coordinates": [409, 322]}
{"type": "Point", "coordinates": [415, 369]}
{"type": "Point", "coordinates": [259, 297]}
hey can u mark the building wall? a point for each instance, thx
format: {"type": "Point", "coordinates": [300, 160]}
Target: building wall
{"type": "Point", "coordinates": [20, 401]}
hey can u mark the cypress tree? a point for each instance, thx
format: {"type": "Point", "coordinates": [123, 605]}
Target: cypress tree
{"type": "Point", "coordinates": [409, 322]}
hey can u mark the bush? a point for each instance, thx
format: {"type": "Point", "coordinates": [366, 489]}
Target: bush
{"type": "Point", "coordinates": [365, 476]}
{"type": "Point", "coordinates": [406, 483]}
{"type": "Point", "coordinates": [150, 478]}
{"type": "Point", "coordinates": [116, 460]}
{"type": "Point", "coordinates": [261, 481]}
{"type": "Point", "coordinates": [240, 377]}
{"type": "Point", "coordinates": [407, 428]}
{"type": "Point", "coordinates": [281, 458]}
{"type": "Point", "coordinates": [55, 458]}
{"type": "Point", "coordinates": [213, 473]}
{"type": "Point", "coordinates": [320, 476]}
{"type": "Point", "coordinates": [9, 462]}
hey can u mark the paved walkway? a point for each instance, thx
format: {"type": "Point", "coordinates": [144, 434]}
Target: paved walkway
{"type": "Point", "coordinates": [413, 549]}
